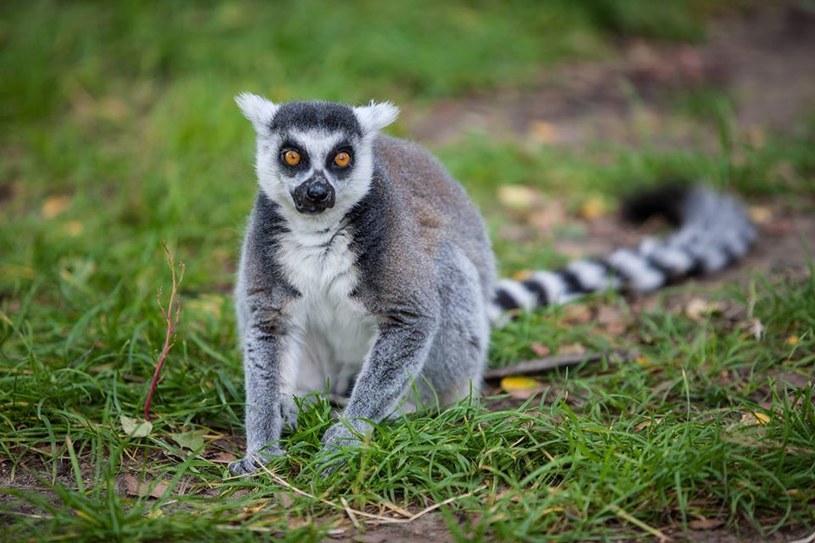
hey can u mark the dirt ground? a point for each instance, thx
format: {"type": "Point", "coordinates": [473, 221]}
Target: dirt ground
{"type": "Point", "coordinates": [764, 59]}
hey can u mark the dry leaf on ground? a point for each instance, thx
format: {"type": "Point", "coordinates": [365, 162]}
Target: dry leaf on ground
{"type": "Point", "coordinates": [521, 387]}
{"type": "Point", "coordinates": [518, 197]}
{"type": "Point", "coordinates": [136, 427]}
{"type": "Point", "coordinates": [222, 457]}
{"type": "Point", "coordinates": [571, 348]}
{"type": "Point", "coordinates": [592, 209]}
{"type": "Point", "coordinates": [540, 349]}
{"type": "Point", "coordinates": [153, 489]}
{"type": "Point", "coordinates": [698, 309]}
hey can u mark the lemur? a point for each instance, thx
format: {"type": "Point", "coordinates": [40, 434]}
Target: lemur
{"type": "Point", "coordinates": [366, 271]}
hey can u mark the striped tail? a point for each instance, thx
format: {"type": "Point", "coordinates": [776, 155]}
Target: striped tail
{"type": "Point", "coordinates": [713, 232]}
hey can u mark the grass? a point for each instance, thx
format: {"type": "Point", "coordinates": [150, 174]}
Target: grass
{"type": "Point", "coordinates": [118, 132]}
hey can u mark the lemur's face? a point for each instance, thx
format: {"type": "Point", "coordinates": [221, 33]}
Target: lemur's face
{"type": "Point", "coordinates": [315, 158]}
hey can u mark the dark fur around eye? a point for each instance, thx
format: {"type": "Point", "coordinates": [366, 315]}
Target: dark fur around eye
{"type": "Point", "coordinates": [289, 146]}
{"type": "Point", "coordinates": [340, 171]}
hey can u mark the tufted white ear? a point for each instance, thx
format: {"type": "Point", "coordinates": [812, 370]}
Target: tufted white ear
{"type": "Point", "coordinates": [375, 116]}
{"type": "Point", "coordinates": [258, 110]}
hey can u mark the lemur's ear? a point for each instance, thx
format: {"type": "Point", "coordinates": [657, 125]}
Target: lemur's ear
{"type": "Point", "coordinates": [258, 110]}
{"type": "Point", "coordinates": [375, 116]}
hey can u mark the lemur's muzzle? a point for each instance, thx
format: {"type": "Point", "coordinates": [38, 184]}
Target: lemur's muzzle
{"type": "Point", "coordinates": [314, 195]}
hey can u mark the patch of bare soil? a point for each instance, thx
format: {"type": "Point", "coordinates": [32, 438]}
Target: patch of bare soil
{"type": "Point", "coordinates": [764, 59]}
{"type": "Point", "coordinates": [426, 528]}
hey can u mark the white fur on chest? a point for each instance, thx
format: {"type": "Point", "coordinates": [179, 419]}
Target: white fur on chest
{"type": "Point", "coordinates": [335, 331]}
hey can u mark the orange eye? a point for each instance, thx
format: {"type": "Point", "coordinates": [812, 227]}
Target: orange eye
{"type": "Point", "coordinates": [342, 159]}
{"type": "Point", "coordinates": [291, 157]}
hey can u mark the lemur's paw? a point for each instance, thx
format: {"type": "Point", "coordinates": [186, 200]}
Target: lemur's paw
{"type": "Point", "coordinates": [340, 435]}
{"type": "Point", "coordinates": [336, 437]}
{"type": "Point", "coordinates": [253, 461]}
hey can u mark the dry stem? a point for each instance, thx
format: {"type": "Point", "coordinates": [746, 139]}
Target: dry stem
{"type": "Point", "coordinates": [171, 315]}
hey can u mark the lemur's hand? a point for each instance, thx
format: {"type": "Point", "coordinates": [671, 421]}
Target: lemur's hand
{"type": "Point", "coordinates": [253, 461]}
{"type": "Point", "coordinates": [341, 434]}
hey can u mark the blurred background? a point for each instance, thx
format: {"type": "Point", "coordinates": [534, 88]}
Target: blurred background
{"type": "Point", "coordinates": [118, 131]}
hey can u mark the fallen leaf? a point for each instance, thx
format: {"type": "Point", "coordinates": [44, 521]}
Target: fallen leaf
{"type": "Point", "coordinates": [192, 440]}
{"type": "Point", "coordinates": [698, 308]}
{"type": "Point", "coordinates": [543, 132]}
{"type": "Point", "coordinates": [592, 209]}
{"type": "Point", "coordinates": [222, 457]}
{"type": "Point", "coordinates": [54, 205]}
{"type": "Point", "coordinates": [760, 214]}
{"type": "Point", "coordinates": [522, 275]}
{"type": "Point", "coordinates": [136, 427]}
{"type": "Point", "coordinates": [754, 418]}
{"type": "Point", "coordinates": [518, 197]}
{"type": "Point", "coordinates": [73, 228]}
{"type": "Point", "coordinates": [647, 424]}
{"type": "Point", "coordinates": [540, 349]}
{"type": "Point", "coordinates": [571, 348]}
{"type": "Point", "coordinates": [577, 313]}
{"type": "Point", "coordinates": [255, 508]}
{"type": "Point", "coordinates": [146, 488]}
{"type": "Point", "coordinates": [521, 387]}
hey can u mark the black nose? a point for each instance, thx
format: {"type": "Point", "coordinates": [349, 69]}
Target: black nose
{"type": "Point", "coordinates": [317, 192]}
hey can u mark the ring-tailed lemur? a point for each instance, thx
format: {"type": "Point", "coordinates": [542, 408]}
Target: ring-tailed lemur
{"type": "Point", "coordinates": [367, 272]}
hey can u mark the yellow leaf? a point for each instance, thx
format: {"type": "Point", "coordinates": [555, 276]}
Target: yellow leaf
{"type": "Point", "coordinates": [73, 228]}
{"type": "Point", "coordinates": [522, 275]}
{"type": "Point", "coordinates": [543, 132]}
{"type": "Point", "coordinates": [517, 196]}
{"type": "Point", "coordinates": [760, 214]}
{"type": "Point", "coordinates": [792, 340]}
{"type": "Point", "coordinates": [521, 387]}
{"type": "Point", "coordinates": [754, 417]}
{"type": "Point", "coordinates": [54, 205]}
{"type": "Point", "coordinates": [592, 209]}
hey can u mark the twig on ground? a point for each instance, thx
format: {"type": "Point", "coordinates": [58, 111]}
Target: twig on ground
{"type": "Point", "coordinates": [541, 365]}
{"type": "Point", "coordinates": [353, 514]}
{"type": "Point", "coordinates": [171, 315]}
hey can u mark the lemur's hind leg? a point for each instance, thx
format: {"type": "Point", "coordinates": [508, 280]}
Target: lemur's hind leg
{"type": "Point", "coordinates": [459, 353]}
